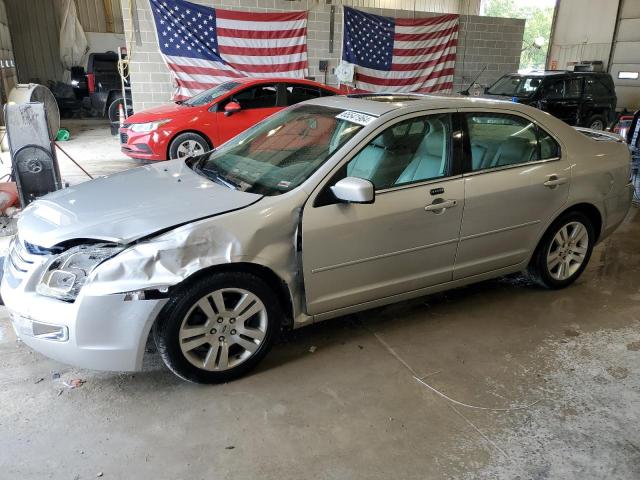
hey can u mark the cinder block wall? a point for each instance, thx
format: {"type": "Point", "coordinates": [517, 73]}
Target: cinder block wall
{"type": "Point", "coordinates": [482, 40]}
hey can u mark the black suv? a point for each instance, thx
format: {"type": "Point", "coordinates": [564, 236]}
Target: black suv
{"type": "Point", "coordinates": [586, 99]}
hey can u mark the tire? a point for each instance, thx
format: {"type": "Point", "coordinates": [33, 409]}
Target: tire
{"type": "Point", "coordinates": [193, 341]}
{"type": "Point", "coordinates": [570, 259]}
{"type": "Point", "coordinates": [112, 111]}
{"type": "Point", "coordinates": [597, 122]}
{"type": "Point", "coordinates": [187, 145]}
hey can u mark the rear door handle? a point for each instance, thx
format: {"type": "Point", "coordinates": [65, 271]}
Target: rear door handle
{"type": "Point", "coordinates": [440, 205]}
{"type": "Point", "coordinates": [554, 181]}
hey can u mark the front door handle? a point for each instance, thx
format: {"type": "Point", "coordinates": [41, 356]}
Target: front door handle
{"type": "Point", "coordinates": [439, 205]}
{"type": "Point", "coordinates": [554, 181]}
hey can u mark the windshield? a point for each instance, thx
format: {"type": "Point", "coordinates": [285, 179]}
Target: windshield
{"type": "Point", "coordinates": [280, 153]}
{"type": "Point", "coordinates": [515, 86]}
{"type": "Point", "coordinates": [210, 95]}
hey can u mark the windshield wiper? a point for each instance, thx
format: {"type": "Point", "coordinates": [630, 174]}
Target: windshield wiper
{"type": "Point", "coordinates": [214, 174]}
{"type": "Point", "coordinates": [224, 181]}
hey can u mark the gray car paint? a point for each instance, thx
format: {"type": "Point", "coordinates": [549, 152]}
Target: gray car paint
{"type": "Point", "coordinates": [326, 266]}
{"type": "Point", "coordinates": [125, 206]}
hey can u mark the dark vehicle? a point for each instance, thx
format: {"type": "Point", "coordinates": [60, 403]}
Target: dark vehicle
{"type": "Point", "coordinates": [586, 99]}
{"type": "Point", "coordinates": [100, 87]}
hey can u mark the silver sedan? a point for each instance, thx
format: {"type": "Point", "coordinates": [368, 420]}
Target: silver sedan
{"type": "Point", "coordinates": [329, 207]}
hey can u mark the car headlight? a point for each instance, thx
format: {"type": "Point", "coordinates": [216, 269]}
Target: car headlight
{"type": "Point", "coordinates": [65, 274]}
{"type": "Point", "coordinates": [148, 126]}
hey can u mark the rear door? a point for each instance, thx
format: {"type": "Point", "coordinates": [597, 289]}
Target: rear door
{"type": "Point", "coordinates": [515, 179]}
{"type": "Point", "coordinates": [257, 102]}
{"type": "Point", "coordinates": [562, 98]}
{"type": "Point", "coordinates": [356, 253]}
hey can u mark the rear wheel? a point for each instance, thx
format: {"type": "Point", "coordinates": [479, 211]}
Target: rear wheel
{"type": "Point", "coordinates": [218, 328]}
{"type": "Point", "coordinates": [187, 145]}
{"type": "Point", "coordinates": [597, 122]}
{"type": "Point", "coordinates": [564, 251]}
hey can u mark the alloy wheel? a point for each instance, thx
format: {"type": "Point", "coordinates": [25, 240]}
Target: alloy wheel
{"type": "Point", "coordinates": [568, 250]}
{"type": "Point", "coordinates": [223, 329]}
{"type": "Point", "coordinates": [597, 125]}
{"type": "Point", "coordinates": [189, 148]}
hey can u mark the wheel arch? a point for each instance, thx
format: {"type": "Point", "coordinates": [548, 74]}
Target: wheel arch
{"type": "Point", "coordinates": [590, 210]}
{"type": "Point", "coordinates": [273, 280]}
{"type": "Point", "coordinates": [188, 130]}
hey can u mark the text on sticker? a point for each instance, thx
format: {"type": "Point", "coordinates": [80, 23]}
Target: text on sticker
{"type": "Point", "coordinates": [356, 117]}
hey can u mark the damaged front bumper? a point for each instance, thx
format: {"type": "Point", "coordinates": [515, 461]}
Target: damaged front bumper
{"type": "Point", "coordinates": [105, 332]}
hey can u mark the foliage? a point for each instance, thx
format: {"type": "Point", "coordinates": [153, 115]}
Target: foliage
{"type": "Point", "coordinates": [538, 24]}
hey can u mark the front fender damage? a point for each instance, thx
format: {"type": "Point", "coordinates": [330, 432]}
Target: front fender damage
{"type": "Point", "coordinates": [262, 236]}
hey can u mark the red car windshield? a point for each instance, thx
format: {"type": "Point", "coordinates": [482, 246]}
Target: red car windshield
{"type": "Point", "coordinates": [210, 95]}
{"type": "Point", "coordinates": [280, 153]}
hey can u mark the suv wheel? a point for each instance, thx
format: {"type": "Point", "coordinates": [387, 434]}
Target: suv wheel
{"type": "Point", "coordinates": [597, 122]}
{"type": "Point", "coordinates": [187, 145]}
{"type": "Point", "coordinates": [217, 328]}
{"type": "Point", "coordinates": [564, 251]}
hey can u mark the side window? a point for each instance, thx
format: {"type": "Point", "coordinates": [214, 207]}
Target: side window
{"type": "Point", "coordinates": [573, 87]}
{"type": "Point", "coordinates": [554, 89]}
{"type": "Point", "coordinates": [326, 93]}
{"type": "Point", "coordinates": [595, 87]}
{"type": "Point", "coordinates": [549, 148]}
{"type": "Point", "coordinates": [261, 96]}
{"type": "Point", "coordinates": [297, 93]}
{"type": "Point", "coordinates": [410, 151]}
{"type": "Point", "coordinates": [499, 140]}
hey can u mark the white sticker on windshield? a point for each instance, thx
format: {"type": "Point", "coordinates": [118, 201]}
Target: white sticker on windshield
{"type": "Point", "coordinates": [356, 117]}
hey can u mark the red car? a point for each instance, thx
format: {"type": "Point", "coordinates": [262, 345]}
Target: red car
{"type": "Point", "coordinates": [209, 119]}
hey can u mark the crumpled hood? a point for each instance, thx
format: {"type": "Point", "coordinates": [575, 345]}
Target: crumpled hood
{"type": "Point", "coordinates": [128, 205]}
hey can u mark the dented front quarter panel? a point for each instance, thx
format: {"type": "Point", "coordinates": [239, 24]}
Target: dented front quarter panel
{"type": "Point", "coordinates": [262, 234]}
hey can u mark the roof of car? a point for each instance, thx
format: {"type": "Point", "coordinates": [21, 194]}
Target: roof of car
{"type": "Point", "coordinates": [379, 104]}
{"type": "Point", "coordinates": [244, 80]}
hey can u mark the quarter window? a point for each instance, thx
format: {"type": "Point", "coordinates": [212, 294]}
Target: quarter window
{"type": "Point", "coordinates": [500, 140]}
{"type": "Point", "coordinates": [411, 151]}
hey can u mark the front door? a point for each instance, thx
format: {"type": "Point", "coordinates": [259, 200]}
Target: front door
{"type": "Point", "coordinates": [355, 253]}
{"type": "Point", "coordinates": [515, 182]}
{"type": "Point", "coordinates": [256, 102]}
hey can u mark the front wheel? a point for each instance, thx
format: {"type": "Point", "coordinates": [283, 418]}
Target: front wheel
{"type": "Point", "coordinates": [187, 145]}
{"type": "Point", "coordinates": [217, 328]}
{"type": "Point", "coordinates": [564, 251]}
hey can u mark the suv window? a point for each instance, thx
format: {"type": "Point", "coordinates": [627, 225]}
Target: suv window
{"type": "Point", "coordinates": [410, 151]}
{"type": "Point", "coordinates": [499, 140]}
{"type": "Point", "coordinates": [596, 87]}
{"type": "Point", "coordinates": [260, 96]}
{"type": "Point", "coordinates": [573, 87]}
{"type": "Point", "coordinates": [553, 89]}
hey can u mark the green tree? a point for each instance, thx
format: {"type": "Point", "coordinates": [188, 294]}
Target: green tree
{"type": "Point", "coordinates": [538, 24]}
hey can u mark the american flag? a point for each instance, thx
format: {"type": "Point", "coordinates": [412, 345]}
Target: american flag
{"type": "Point", "coordinates": [400, 54]}
{"type": "Point", "coordinates": [205, 46]}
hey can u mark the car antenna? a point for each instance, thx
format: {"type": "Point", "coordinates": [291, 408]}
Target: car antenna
{"type": "Point", "coordinates": [466, 91]}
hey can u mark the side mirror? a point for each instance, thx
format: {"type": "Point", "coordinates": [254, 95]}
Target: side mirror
{"type": "Point", "coordinates": [231, 108]}
{"type": "Point", "coordinates": [354, 190]}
